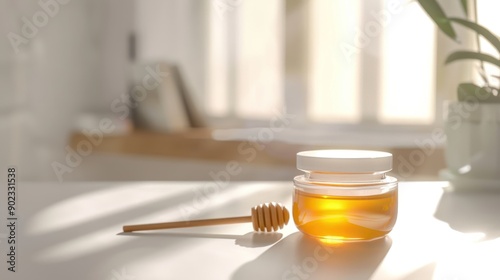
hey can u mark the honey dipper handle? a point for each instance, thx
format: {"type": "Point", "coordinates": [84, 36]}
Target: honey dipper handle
{"type": "Point", "coordinates": [183, 224]}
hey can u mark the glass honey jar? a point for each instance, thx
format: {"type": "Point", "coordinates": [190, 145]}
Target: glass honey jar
{"type": "Point", "coordinates": [345, 195]}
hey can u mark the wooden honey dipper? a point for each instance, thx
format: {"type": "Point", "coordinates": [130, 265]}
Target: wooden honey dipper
{"type": "Point", "coordinates": [265, 217]}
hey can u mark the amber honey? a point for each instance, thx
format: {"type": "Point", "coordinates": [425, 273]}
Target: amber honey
{"type": "Point", "coordinates": [345, 195]}
{"type": "Point", "coordinates": [345, 218]}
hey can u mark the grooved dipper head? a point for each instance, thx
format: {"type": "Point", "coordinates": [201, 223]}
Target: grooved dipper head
{"type": "Point", "coordinates": [269, 217]}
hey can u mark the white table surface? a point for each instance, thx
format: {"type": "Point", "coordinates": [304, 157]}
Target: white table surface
{"type": "Point", "coordinates": [72, 231]}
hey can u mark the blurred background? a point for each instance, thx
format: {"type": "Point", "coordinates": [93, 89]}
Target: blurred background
{"type": "Point", "coordinates": [96, 90]}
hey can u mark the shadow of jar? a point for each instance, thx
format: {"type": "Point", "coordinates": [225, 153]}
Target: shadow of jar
{"type": "Point", "coordinates": [300, 257]}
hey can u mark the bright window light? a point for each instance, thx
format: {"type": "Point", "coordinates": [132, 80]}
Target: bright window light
{"type": "Point", "coordinates": [333, 91]}
{"type": "Point", "coordinates": [245, 58]}
{"type": "Point", "coordinates": [408, 92]}
{"type": "Point", "coordinates": [388, 80]}
{"type": "Point", "coordinates": [217, 99]}
{"type": "Point", "coordinates": [259, 52]}
{"type": "Point", "coordinates": [487, 16]}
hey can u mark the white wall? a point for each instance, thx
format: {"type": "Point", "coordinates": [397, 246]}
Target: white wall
{"type": "Point", "coordinates": [114, 29]}
{"type": "Point", "coordinates": [78, 62]}
{"type": "Point", "coordinates": [55, 75]}
{"type": "Point", "coordinates": [174, 31]}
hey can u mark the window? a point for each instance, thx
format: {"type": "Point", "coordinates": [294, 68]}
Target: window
{"type": "Point", "coordinates": [487, 15]}
{"type": "Point", "coordinates": [245, 68]}
{"type": "Point", "coordinates": [369, 62]}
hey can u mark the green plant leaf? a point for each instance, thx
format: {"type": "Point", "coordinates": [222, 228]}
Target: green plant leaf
{"type": "Point", "coordinates": [465, 7]}
{"type": "Point", "coordinates": [481, 30]}
{"type": "Point", "coordinates": [434, 10]}
{"type": "Point", "coordinates": [468, 92]}
{"type": "Point", "coordinates": [472, 55]}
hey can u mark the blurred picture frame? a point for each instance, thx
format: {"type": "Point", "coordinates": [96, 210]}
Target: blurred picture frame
{"type": "Point", "coordinates": [162, 100]}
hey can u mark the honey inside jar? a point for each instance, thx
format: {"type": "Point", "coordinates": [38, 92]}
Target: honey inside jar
{"type": "Point", "coordinates": [345, 218]}
{"type": "Point", "coordinates": [345, 195]}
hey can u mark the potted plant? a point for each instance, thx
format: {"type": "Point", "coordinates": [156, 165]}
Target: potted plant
{"type": "Point", "coordinates": [472, 123]}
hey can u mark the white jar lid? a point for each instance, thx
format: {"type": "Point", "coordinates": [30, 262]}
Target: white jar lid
{"type": "Point", "coordinates": [345, 161]}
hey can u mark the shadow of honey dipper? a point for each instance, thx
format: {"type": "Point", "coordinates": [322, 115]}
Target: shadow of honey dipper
{"type": "Point", "coordinates": [265, 217]}
{"type": "Point", "coordinates": [250, 240]}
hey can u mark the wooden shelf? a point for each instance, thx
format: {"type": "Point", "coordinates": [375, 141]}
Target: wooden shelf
{"type": "Point", "coordinates": [198, 144]}
{"type": "Point", "coordinates": [194, 144]}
